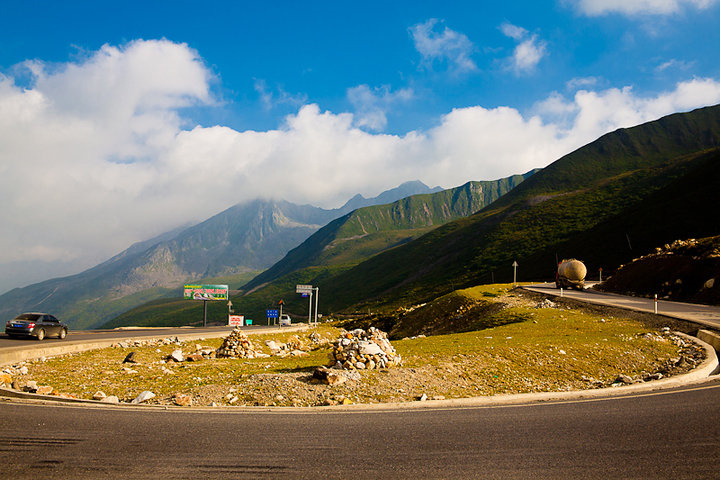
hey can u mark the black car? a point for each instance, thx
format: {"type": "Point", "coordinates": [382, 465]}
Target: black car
{"type": "Point", "coordinates": [38, 325]}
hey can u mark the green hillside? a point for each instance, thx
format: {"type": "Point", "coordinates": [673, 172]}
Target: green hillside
{"type": "Point", "coordinates": [370, 230]}
{"type": "Point", "coordinates": [606, 203]}
{"type": "Point", "coordinates": [607, 186]}
{"type": "Point", "coordinates": [338, 246]}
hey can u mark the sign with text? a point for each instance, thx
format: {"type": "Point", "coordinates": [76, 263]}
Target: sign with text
{"type": "Point", "coordinates": [236, 320]}
{"type": "Point", "coordinates": [273, 313]}
{"type": "Point", "coordinates": [206, 292]}
{"type": "Point", "coordinates": [303, 288]}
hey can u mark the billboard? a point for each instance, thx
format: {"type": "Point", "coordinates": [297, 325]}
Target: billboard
{"type": "Point", "coordinates": [236, 320]}
{"type": "Point", "coordinates": [206, 292]}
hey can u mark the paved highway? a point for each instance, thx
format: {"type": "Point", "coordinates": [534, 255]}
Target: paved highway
{"type": "Point", "coordinates": [671, 434]}
{"type": "Point", "coordinates": [701, 314]}
{"type": "Point", "coordinates": [89, 336]}
{"type": "Point", "coordinates": [660, 435]}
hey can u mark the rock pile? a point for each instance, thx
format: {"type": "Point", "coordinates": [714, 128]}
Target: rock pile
{"type": "Point", "coordinates": [294, 346]}
{"type": "Point", "coordinates": [237, 345]}
{"type": "Point", "coordinates": [363, 350]}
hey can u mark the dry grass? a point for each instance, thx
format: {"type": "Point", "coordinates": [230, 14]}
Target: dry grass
{"type": "Point", "coordinates": [554, 349]}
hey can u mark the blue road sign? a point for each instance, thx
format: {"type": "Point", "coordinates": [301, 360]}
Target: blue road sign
{"type": "Point", "coordinates": [273, 313]}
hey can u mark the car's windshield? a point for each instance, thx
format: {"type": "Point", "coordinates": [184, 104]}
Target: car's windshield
{"type": "Point", "coordinates": [28, 316]}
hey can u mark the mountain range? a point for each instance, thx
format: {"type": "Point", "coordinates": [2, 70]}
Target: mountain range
{"type": "Point", "coordinates": [606, 203]}
{"type": "Point", "coordinates": [229, 247]}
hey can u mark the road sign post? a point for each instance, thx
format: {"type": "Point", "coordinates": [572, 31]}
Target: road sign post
{"type": "Point", "coordinates": [317, 295]}
{"type": "Point", "coordinates": [515, 265]}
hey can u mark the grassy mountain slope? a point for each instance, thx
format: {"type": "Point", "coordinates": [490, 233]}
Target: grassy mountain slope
{"type": "Point", "coordinates": [367, 231]}
{"type": "Point", "coordinates": [605, 203]}
{"type": "Point", "coordinates": [338, 246]}
{"type": "Point", "coordinates": [594, 187]}
{"type": "Point", "coordinates": [233, 244]}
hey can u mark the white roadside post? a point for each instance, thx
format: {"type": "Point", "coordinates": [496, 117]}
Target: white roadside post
{"type": "Point", "coordinates": [317, 295]}
{"type": "Point", "coordinates": [515, 265]}
{"type": "Point", "coordinates": [310, 309]}
{"type": "Point", "coordinates": [656, 303]}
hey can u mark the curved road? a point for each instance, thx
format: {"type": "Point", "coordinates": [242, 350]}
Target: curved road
{"type": "Point", "coordinates": [674, 434]}
{"type": "Point", "coordinates": [702, 314]}
{"type": "Point", "coordinates": [670, 434]}
{"type": "Point", "coordinates": [89, 336]}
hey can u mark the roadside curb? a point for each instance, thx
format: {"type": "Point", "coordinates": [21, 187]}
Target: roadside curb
{"type": "Point", "coordinates": [698, 375]}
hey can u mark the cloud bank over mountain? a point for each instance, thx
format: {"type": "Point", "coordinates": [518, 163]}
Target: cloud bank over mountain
{"type": "Point", "coordinates": [100, 152]}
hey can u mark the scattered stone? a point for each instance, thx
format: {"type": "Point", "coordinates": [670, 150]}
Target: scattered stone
{"type": "Point", "coordinates": [110, 399]}
{"type": "Point", "coordinates": [329, 377]}
{"type": "Point", "coordinates": [182, 400]}
{"type": "Point", "coordinates": [422, 398]}
{"type": "Point", "coordinates": [24, 370]}
{"type": "Point", "coordinates": [547, 303]}
{"type": "Point", "coordinates": [129, 370]}
{"type": "Point", "coordinates": [194, 357]}
{"type": "Point", "coordinates": [30, 386]}
{"type": "Point", "coordinates": [5, 379]}
{"type": "Point", "coordinates": [99, 395]}
{"type": "Point", "coordinates": [44, 390]}
{"type": "Point", "coordinates": [623, 379]}
{"type": "Point", "coordinates": [177, 356]}
{"type": "Point", "coordinates": [131, 358]}
{"type": "Point", "coordinates": [143, 397]}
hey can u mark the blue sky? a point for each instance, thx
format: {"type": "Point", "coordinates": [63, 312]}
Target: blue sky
{"type": "Point", "coordinates": [146, 115]}
{"type": "Point", "coordinates": [314, 52]}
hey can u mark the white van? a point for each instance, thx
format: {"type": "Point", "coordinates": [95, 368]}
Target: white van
{"type": "Point", "coordinates": [285, 320]}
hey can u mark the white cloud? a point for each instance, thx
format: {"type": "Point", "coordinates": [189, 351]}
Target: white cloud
{"type": "Point", "coordinates": [371, 105]}
{"type": "Point", "coordinates": [580, 82]}
{"type": "Point", "coordinates": [674, 65]}
{"type": "Point", "coordinates": [528, 52]}
{"type": "Point", "coordinates": [270, 99]}
{"type": "Point", "coordinates": [84, 172]}
{"type": "Point", "coordinates": [638, 7]}
{"type": "Point", "coordinates": [513, 31]}
{"type": "Point", "coordinates": [446, 46]}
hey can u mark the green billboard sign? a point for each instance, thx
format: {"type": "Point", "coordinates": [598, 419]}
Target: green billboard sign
{"type": "Point", "coordinates": [206, 292]}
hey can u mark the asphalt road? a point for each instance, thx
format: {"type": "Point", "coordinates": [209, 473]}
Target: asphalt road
{"type": "Point", "coordinates": [672, 435]}
{"type": "Point", "coordinates": [701, 314]}
{"type": "Point", "coordinates": [94, 335]}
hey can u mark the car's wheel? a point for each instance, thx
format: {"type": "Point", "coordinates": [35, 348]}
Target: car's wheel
{"type": "Point", "coordinates": [40, 334]}
{"type": "Point", "coordinates": [62, 334]}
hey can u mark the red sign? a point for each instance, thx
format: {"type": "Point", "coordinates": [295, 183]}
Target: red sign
{"type": "Point", "coordinates": [236, 320]}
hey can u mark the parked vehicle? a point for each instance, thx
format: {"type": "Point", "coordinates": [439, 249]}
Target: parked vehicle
{"type": "Point", "coordinates": [571, 274]}
{"type": "Point", "coordinates": [285, 320]}
{"type": "Point", "coordinates": [38, 325]}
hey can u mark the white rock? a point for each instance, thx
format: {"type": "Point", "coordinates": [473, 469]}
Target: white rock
{"type": "Point", "coordinates": [370, 348]}
{"type": "Point", "coordinates": [99, 395]}
{"type": "Point", "coordinates": [177, 355]}
{"type": "Point", "coordinates": [143, 397]}
{"type": "Point", "coordinates": [110, 399]}
{"type": "Point", "coordinates": [23, 370]}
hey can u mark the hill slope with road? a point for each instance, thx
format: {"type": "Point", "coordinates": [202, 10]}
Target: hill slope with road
{"type": "Point", "coordinates": [600, 198]}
